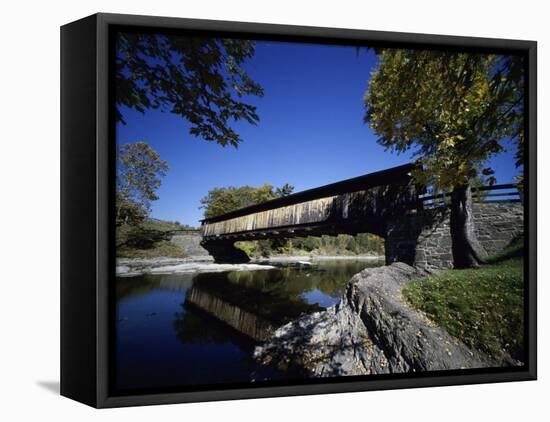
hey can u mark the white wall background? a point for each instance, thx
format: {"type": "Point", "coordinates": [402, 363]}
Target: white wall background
{"type": "Point", "coordinates": [29, 211]}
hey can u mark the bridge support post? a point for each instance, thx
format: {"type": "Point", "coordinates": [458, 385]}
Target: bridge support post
{"type": "Point", "coordinates": [225, 251]}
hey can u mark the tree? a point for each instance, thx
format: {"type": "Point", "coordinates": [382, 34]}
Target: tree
{"type": "Point", "coordinates": [454, 110]}
{"type": "Point", "coordinates": [284, 190]}
{"type": "Point", "coordinates": [139, 172]}
{"type": "Point", "coordinates": [198, 78]}
{"type": "Point", "coordinates": [223, 200]}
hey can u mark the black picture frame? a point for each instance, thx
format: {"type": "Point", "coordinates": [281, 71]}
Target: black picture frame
{"type": "Point", "coordinates": [87, 258]}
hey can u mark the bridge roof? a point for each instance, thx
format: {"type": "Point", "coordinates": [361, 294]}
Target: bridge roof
{"type": "Point", "coordinates": [389, 176]}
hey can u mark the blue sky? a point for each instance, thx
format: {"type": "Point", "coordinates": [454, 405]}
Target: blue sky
{"type": "Point", "coordinates": [311, 131]}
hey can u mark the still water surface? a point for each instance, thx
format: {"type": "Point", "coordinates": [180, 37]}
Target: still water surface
{"type": "Point", "coordinates": [191, 329]}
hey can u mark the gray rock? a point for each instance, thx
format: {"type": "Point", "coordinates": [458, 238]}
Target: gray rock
{"type": "Point", "coordinates": [372, 331]}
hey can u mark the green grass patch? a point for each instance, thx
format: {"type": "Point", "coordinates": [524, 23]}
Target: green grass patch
{"type": "Point", "coordinates": [483, 307]}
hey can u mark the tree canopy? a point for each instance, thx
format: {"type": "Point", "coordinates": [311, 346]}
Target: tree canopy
{"type": "Point", "coordinates": [453, 109]}
{"type": "Point", "coordinates": [201, 79]}
{"type": "Point", "coordinates": [223, 200]}
{"type": "Point", "coordinates": [139, 172]}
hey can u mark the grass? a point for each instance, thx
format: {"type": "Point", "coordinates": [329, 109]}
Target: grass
{"type": "Point", "coordinates": [151, 239]}
{"type": "Point", "coordinates": [482, 307]}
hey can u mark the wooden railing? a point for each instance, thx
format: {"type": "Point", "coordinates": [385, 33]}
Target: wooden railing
{"type": "Point", "coordinates": [480, 194]}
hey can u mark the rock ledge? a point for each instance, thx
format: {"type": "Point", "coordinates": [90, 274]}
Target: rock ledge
{"type": "Point", "coordinates": [371, 331]}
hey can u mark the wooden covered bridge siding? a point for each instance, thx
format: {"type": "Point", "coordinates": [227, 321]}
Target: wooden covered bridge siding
{"type": "Point", "coordinates": [362, 204]}
{"type": "Point", "coordinates": [339, 214]}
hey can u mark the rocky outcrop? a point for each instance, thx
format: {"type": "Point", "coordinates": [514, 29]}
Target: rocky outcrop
{"type": "Point", "coordinates": [372, 331]}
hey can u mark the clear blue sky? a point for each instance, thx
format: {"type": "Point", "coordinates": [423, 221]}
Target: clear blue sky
{"type": "Point", "coordinates": [311, 131]}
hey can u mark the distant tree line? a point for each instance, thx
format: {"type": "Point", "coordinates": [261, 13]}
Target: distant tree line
{"type": "Point", "coordinates": [343, 244]}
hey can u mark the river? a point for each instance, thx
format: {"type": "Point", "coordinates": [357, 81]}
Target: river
{"type": "Point", "coordinates": [193, 329]}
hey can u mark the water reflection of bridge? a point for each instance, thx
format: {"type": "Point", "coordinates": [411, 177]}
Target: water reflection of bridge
{"type": "Point", "coordinates": [238, 300]}
{"type": "Point", "coordinates": [254, 303]}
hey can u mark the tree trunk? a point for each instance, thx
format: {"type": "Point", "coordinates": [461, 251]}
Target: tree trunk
{"type": "Point", "coordinates": [467, 251]}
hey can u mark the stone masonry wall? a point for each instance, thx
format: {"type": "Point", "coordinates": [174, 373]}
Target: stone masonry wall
{"type": "Point", "coordinates": [497, 224]}
{"type": "Point", "coordinates": [190, 243]}
{"type": "Point", "coordinates": [422, 238]}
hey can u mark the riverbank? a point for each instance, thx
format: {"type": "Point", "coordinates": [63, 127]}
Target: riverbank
{"type": "Point", "coordinates": [399, 318]}
{"type": "Point", "coordinates": [129, 267]}
{"type": "Point", "coordinates": [136, 266]}
{"type": "Point", "coordinates": [150, 239]}
{"type": "Point", "coordinates": [371, 331]}
{"type": "Point", "coordinates": [316, 258]}
{"type": "Point", "coordinates": [483, 307]}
